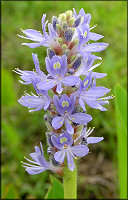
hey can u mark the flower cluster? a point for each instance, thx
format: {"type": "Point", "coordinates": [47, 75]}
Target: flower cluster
{"type": "Point", "coordinates": [69, 59]}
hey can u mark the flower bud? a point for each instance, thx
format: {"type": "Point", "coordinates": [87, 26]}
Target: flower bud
{"type": "Point", "coordinates": [48, 118]}
{"type": "Point", "coordinates": [62, 17]}
{"type": "Point", "coordinates": [65, 26]}
{"type": "Point", "coordinates": [54, 22]}
{"type": "Point", "coordinates": [77, 21]}
{"type": "Point", "coordinates": [54, 162]}
{"type": "Point", "coordinates": [70, 71]}
{"type": "Point", "coordinates": [60, 41]}
{"type": "Point", "coordinates": [68, 14]}
{"type": "Point", "coordinates": [50, 53]}
{"type": "Point", "coordinates": [72, 58]}
{"type": "Point", "coordinates": [49, 141]}
{"type": "Point", "coordinates": [77, 63]}
{"type": "Point", "coordinates": [71, 21]}
{"type": "Point", "coordinates": [64, 46]}
{"type": "Point", "coordinates": [68, 35]}
{"type": "Point", "coordinates": [58, 27]}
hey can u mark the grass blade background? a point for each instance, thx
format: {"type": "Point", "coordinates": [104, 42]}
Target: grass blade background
{"type": "Point", "coordinates": [121, 126]}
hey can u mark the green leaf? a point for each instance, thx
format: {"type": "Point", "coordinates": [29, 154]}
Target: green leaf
{"type": "Point", "coordinates": [56, 190]}
{"type": "Point", "coordinates": [7, 90]}
{"type": "Point", "coordinates": [121, 126]}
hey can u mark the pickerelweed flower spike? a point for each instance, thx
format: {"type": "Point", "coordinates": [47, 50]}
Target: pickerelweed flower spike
{"type": "Point", "coordinates": [70, 84]}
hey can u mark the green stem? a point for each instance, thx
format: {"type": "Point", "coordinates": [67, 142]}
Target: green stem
{"type": "Point", "coordinates": [70, 183]}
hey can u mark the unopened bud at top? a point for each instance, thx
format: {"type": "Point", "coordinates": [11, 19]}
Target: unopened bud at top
{"type": "Point", "coordinates": [50, 53]}
{"type": "Point", "coordinates": [68, 14]}
{"type": "Point", "coordinates": [77, 63]}
{"type": "Point", "coordinates": [77, 21]}
{"type": "Point", "coordinates": [54, 22]}
{"type": "Point", "coordinates": [68, 35]}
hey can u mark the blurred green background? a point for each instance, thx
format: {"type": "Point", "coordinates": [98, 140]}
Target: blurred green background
{"type": "Point", "coordinates": [21, 131]}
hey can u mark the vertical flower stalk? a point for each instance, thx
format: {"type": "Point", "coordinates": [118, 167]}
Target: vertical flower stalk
{"type": "Point", "coordinates": [64, 93]}
{"type": "Point", "coordinates": [70, 183]}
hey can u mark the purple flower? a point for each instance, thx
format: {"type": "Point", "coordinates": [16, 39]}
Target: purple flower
{"type": "Point", "coordinates": [92, 95]}
{"type": "Point", "coordinates": [65, 106]}
{"type": "Point", "coordinates": [65, 149]}
{"type": "Point", "coordinates": [85, 18]}
{"type": "Point", "coordinates": [57, 68]}
{"type": "Point", "coordinates": [39, 164]}
{"type": "Point", "coordinates": [39, 39]}
{"type": "Point", "coordinates": [36, 102]}
{"type": "Point", "coordinates": [85, 139]}
{"type": "Point", "coordinates": [29, 76]}
{"type": "Point", "coordinates": [86, 67]}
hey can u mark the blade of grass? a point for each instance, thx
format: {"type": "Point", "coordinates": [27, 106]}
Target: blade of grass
{"type": "Point", "coordinates": [121, 126]}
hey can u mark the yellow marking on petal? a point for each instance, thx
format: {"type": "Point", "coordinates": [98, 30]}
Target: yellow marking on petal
{"type": "Point", "coordinates": [70, 122]}
{"type": "Point", "coordinates": [60, 122]}
{"type": "Point", "coordinates": [64, 139]}
{"type": "Point", "coordinates": [54, 82]}
{"type": "Point", "coordinates": [85, 83]}
{"type": "Point", "coordinates": [21, 100]}
{"type": "Point", "coordinates": [60, 161]}
{"type": "Point", "coordinates": [98, 46]}
{"type": "Point", "coordinates": [85, 34]}
{"type": "Point", "coordinates": [58, 65]}
{"type": "Point", "coordinates": [59, 78]}
{"type": "Point", "coordinates": [66, 111]}
{"type": "Point", "coordinates": [47, 80]}
{"type": "Point", "coordinates": [73, 118]}
{"type": "Point", "coordinates": [69, 164]}
{"type": "Point", "coordinates": [55, 66]}
{"type": "Point", "coordinates": [65, 104]}
{"type": "Point", "coordinates": [29, 99]}
{"type": "Point", "coordinates": [97, 99]}
{"type": "Point", "coordinates": [105, 45]}
{"type": "Point", "coordinates": [104, 93]}
{"type": "Point", "coordinates": [76, 158]}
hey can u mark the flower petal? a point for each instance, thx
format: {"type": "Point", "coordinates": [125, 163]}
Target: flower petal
{"type": "Point", "coordinates": [95, 47]}
{"type": "Point", "coordinates": [80, 118]}
{"type": "Point", "coordinates": [69, 128]}
{"type": "Point", "coordinates": [37, 67]}
{"type": "Point", "coordinates": [46, 84]}
{"type": "Point", "coordinates": [79, 150]}
{"type": "Point", "coordinates": [57, 122]}
{"type": "Point", "coordinates": [95, 36]}
{"type": "Point", "coordinates": [70, 80]}
{"type": "Point", "coordinates": [59, 156]}
{"type": "Point", "coordinates": [55, 141]}
{"type": "Point", "coordinates": [34, 170]}
{"type": "Point", "coordinates": [57, 104]}
{"type": "Point", "coordinates": [32, 45]}
{"type": "Point", "coordinates": [70, 161]}
{"type": "Point", "coordinates": [82, 104]}
{"type": "Point", "coordinates": [91, 140]}
{"type": "Point", "coordinates": [59, 88]}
